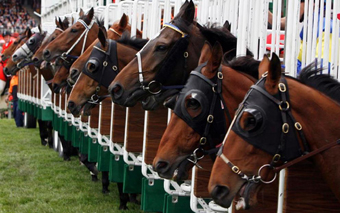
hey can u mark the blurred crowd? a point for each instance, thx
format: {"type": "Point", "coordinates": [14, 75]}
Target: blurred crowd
{"type": "Point", "coordinates": [14, 17]}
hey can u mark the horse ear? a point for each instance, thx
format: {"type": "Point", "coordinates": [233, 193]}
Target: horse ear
{"type": "Point", "coordinates": [65, 23]}
{"type": "Point", "coordinates": [81, 13]}
{"type": "Point", "coordinates": [28, 32]}
{"type": "Point", "coordinates": [216, 57]}
{"type": "Point", "coordinates": [102, 37]}
{"type": "Point", "coordinates": [264, 66]}
{"type": "Point", "coordinates": [227, 25]}
{"type": "Point", "coordinates": [40, 31]}
{"type": "Point", "coordinates": [90, 14]}
{"type": "Point", "coordinates": [189, 12]}
{"type": "Point", "coordinates": [274, 74]}
{"type": "Point", "coordinates": [60, 24]}
{"type": "Point", "coordinates": [56, 22]}
{"type": "Point", "coordinates": [124, 20]}
{"type": "Point", "coordinates": [205, 53]}
{"type": "Point", "coordinates": [228, 56]}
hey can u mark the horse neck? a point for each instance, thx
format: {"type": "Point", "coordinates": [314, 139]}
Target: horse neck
{"type": "Point", "coordinates": [319, 116]}
{"type": "Point", "coordinates": [125, 54]}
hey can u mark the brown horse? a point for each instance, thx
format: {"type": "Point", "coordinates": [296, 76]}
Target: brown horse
{"type": "Point", "coordinates": [11, 66]}
{"type": "Point", "coordinates": [163, 65]}
{"type": "Point", "coordinates": [266, 135]}
{"type": "Point", "coordinates": [61, 26]}
{"type": "Point", "coordinates": [71, 43]}
{"type": "Point", "coordinates": [187, 135]}
{"type": "Point", "coordinates": [115, 32]}
{"type": "Point", "coordinates": [93, 82]}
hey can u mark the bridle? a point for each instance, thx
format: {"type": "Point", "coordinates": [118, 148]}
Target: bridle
{"type": "Point", "coordinates": [66, 55]}
{"type": "Point", "coordinates": [282, 154]}
{"type": "Point", "coordinates": [109, 68]}
{"type": "Point", "coordinates": [155, 87]}
{"type": "Point", "coordinates": [212, 119]}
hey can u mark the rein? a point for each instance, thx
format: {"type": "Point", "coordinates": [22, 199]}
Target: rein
{"type": "Point", "coordinates": [283, 105]}
{"type": "Point", "coordinates": [154, 87]}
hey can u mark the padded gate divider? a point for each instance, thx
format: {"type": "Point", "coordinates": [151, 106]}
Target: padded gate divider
{"type": "Point", "coordinates": [116, 171]}
{"type": "Point", "coordinates": [132, 179]}
{"type": "Point", "coordinates": [152, 198]}
{"type": "Point", "coordinates": [103, 158]}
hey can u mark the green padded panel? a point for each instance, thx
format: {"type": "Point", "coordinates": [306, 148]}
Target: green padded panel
{"type": "Point", "coordinates": [116, 172]}
{"type": "Point", "coordinates": [68, 131]}
{"type": "Point", "coordinates": [75, 137]}
{"type": "Point", "coordinates": [93, 150]}
{"type": "Point", "coordinates": [132, 179]}
{"type": "Point", "coordinates": [61, 126]}
{"type": "Point", "coordinates": [103, 158]}
{"type": "Point", "coordinates": [152, 195]}
{"type": "Point", "coordinates": [47, 114]}
{"type": "Point", "coordinates": [175, 203]}
{"type": "Point", "coordinates": [83, 148]}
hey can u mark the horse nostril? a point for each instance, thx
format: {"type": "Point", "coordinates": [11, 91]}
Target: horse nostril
{"type": "Point", "coordinates": [161, 166]}
{"type": "Point", "coordinates": [70, 105]}
{"type": "Point", "coordinates": [116, 91]}
{"type": "Point", "coordinates": [46, 54]}
{"type": "Point", "coordinates": [219, 193]}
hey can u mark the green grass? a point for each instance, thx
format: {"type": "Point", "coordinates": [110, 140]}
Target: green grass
{"type": "Point", "coordinates": [33, 178]}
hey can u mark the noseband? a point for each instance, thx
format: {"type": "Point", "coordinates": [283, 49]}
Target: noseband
{"type": "Point", "coordinates": [287, 147]}
{"type": "Point", "coordinates": [155, 87]}
{"type": "Point", "coordinates": [108, 68]}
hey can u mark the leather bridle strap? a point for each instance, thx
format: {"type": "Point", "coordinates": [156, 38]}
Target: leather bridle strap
{"type": "Point", "coordinates": [310, 154]}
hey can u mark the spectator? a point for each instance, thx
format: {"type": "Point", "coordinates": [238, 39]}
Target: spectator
{"type": "Point", "coordinates": [12, 96]}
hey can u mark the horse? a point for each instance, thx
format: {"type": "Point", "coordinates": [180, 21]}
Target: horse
{"type": "Point", "coordinates": [10, 65]}
{"type": "Point", "coordinates": [106, 59]}
{"type": "Point", "coordinates": [23, 54]}
{"type": "Point", "coordinates": [61, 26]}
{"type": "Point", "coordinates": [92, 84]}
{"type": "Point", "coordinates": [189, 136]}
{"type": "Point", "coordinates": [278, 109]}
{"type": "Point", "coordinates": [164, 64]}
{"type": "Point", "coordinates": [71, 43]}
{"type": "Point", "coordinates": [115, 32]}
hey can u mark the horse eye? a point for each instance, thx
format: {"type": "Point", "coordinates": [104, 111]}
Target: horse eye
{"type": "Point", "coordinates": [31, 41]}
{"type": "Point", "coordinates": [161, 48]}
{"type": "Point", "coordinates": [92, 65]}
{"type": "Point", "coordinates": [251, 121]}
{"type": "Point", "coordinates": [193, 104]}
{"type": "Point", "coordinates": [74, 30]}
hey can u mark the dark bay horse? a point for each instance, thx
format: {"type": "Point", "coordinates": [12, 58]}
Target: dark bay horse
{"type": "Point", "coordinates": [164, 64]}
{"type": "Point", "coordinates": [115, 32]}
{"type": "Point", "coordinates": [92, 84]}
{"type": "Point", "coordinates": [71, 43]}
{"type": "Point", "coordinates": [188, 133]}
{"type": "Point", "coordinates": [273, 130]}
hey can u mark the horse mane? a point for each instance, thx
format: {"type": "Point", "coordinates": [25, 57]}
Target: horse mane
{"type": "Point", "coordinates": [245, 64]}
{"type": "Point", "coordinates": [321, 82]}
{"type": "Point", "coordinates": [136, 43]}
{"type": "Point", "coordinates": [228, 41]}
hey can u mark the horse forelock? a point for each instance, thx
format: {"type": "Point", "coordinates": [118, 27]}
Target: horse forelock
{"type": "Point", "coordinates": [136, 43]}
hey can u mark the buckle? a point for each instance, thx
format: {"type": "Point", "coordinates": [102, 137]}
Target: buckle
{"type": "Point", "coordinates": [203, 140]}
{"type": "Point", "coordinates": [235, 169]}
